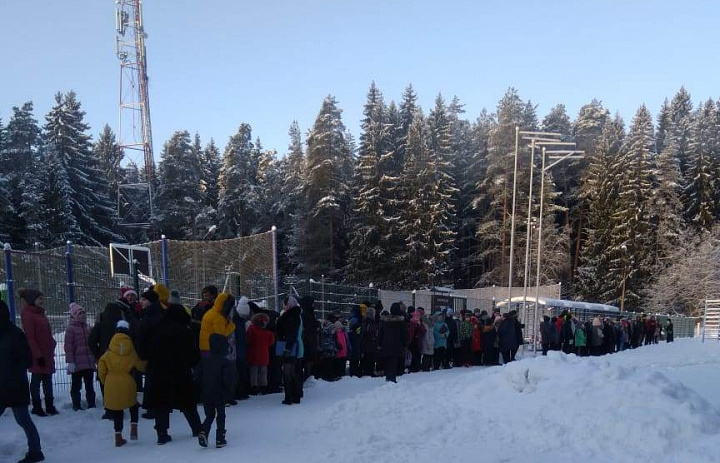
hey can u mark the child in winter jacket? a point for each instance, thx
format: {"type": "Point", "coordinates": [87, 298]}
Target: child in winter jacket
{"type": "Point", "coordinates": [115, 369]}
{"type": "Point", "coordinates": [218, 378]}
{"type": "Point", "coordinates": [259, 341]}
{"type": "Point", "coordinates": [343, 349]}
{"type": "Point", "coordinates": [80, 361]}
{"type": "Point", "coordinates": [440, 333]}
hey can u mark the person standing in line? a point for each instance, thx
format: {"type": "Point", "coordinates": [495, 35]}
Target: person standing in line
{"type": "Point", "coordinates": [393, 339]}
{"type": "Point", "coordinates": [427, 343]}
{"type": "Point", "coordinates": [259, 342]}
{"type": "Point", "coordinates": [15, 358]}
{"type": "Point", "coordinates": [80, 361]}
{"type": "Point", "coordinates": [440, 337]}
{"type": "Point", "coordinates": [311, 337]}
{"type": "Point", "coordinates": [371, 351]}
{"type": "Point", "coordinates": [547, 334]}
{"type": "Point", "coordinates": [39, 336]}
{"type": "Point", "coordinates": [490, 343]}
{"type": "Point", "coordinates": [116, 370]}
{"type": "Point", "coordinates": [465, 334]}
{"type": "Point", "coordinates": [291, 349]}
{"type": "Point", "coordinates": [670, 331]}
{"type": "Point", "coordinates": [507, 337]}
{"type": "Point", "coordinates": [218, 377]}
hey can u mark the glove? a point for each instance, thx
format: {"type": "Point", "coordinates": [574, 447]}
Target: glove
{"type": "Point", "coordinates": [71, 368]}
{"type": "Point", "coordinates": [40, 362]}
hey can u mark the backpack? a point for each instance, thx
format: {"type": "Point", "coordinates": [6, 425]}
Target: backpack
{"type": "Point", "coordinates": [328, 342]}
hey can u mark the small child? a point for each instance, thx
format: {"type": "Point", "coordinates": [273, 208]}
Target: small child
{"type": "Point", "coordinates": [116, 369]}
{"type": "Point", "coordinates": [218, 378]}
{"type": "Point", "coordinates": [259, 341]}
{"type": "Point", "coordinates": [80, 361]}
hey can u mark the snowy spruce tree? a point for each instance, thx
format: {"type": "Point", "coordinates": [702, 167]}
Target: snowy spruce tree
{"type": "Point", "coordinates": [211, 163]}
{"type": "Point", "coordinates": [78, 185]}
{"type": "Point", "coordinates": [179, 196]}
{"type": "Point", "coordinates": [7, 211]}
{"type": "Point", "coordinates": [238, 197]}
{"type": "Point", "coordinates": [700, 194]}
{"type": "Point", "coordinates": [109, 156]}
{"type": "Point", "coordinates": [326, 190]}
{"type": "Point", "coordinates": [291, 209]}
{"type": "Point", "coordinates": [23, 168]}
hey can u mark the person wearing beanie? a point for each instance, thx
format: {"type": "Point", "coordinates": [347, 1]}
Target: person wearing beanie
{"type": "Point", "coordinates": [217, 320]}
{"type": "Point", "coordinates": [115, 370]}
{"type": "Point", "coordinates": [241, 318]}
{"type": "Point", "coordinates": [80, 360]}
{"type": "Point", "coordinates": [40, 338]}
{"type": "Point", "coordinates": [259, 341]}
{"type": "Point", "coordinates": [130, 302]}
{"type": "Point", "coordinates": [15, 358]}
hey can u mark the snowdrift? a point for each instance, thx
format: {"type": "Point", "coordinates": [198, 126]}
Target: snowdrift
{"type": "Point", "coordinates": [634, 406]}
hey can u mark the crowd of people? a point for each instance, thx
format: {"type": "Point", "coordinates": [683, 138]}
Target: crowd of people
{"type": "Point", "coordinates": [226, 349]}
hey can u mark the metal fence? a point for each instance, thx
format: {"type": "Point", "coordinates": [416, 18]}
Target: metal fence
{"type": "Point", "coordinates": [82, 274]}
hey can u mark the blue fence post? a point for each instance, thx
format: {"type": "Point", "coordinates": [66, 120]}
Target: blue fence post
{"type": "Point", "coordinates": [164, 248]}
{"type": "Point", "coordinates": [9, 283]}
{"type": "Point", "coordinates": [69, 271]}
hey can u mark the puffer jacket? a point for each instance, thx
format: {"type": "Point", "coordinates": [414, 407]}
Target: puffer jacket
{"type": "Point", "coordinates": [77, 350]}
{"type": "Point", "coordinates": [40, 338]}
{"type": "Point", "coordinates": [114, 370]}
{"type": "Point", "coordinates": [427, 344]}
{"type": "Point", "coordinates": [215, 322]}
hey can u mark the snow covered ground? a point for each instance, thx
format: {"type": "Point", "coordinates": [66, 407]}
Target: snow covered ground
{"type": "Point", "coordinates": [654, 404]}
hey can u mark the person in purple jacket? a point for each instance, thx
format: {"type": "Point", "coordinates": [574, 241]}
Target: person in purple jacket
{"type": "Point", "coordinates": [80, 361]}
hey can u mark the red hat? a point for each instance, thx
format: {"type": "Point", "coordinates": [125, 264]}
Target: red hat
{"type": "Point", "coordinates": [125, 292]}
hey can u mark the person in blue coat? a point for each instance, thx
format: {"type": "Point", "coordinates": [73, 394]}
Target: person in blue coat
{"type": "Point", "coordinates": [241, 315]}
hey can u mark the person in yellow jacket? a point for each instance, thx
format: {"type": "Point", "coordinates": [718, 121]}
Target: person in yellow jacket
{"type": "Point", "coordinates": [115, 370]}
{"type": "Point", "coordinates": [217, 320]}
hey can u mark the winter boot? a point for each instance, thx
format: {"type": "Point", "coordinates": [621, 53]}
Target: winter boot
{"type": "Point", "coordinates": [33, 457]}
{"type": "Point", "coordinates": [37, 410]}
{"type": "Point", "coordinates": [107, 415]}
{"type": "Point", "coordinates": [91, 400]}
{"type": "Point", "coordinates": [202, 439]}
{"type": "Point", "coordinates": [75, 402]}
{"type": "Point", "coordinates": [119, 441]}
{"type": "Point", "coordinates": [49, 407]}
{"type": "Point", "coordinates": [133, 431]}
{"type": "Point", "coordinates": [220, 441]}
{"type": "Point", "coordinates": [163, 438]}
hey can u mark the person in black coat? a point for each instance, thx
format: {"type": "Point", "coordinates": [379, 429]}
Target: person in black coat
{"type": "Point", "coordinates": [548, 334]}
{"type": "Point", "coordinates": [218, 376]}
{"type": "Point", "coordinates": [519, 338]}
{"type": "Point", "coordinates": [311, 333]}
{"type": "Point", "coordinates": [15, 359]}
{"type": "Point", "coordinates": [670, 331]}
{"type": "Point", "coordinates": [289, 338]}
{"type": "Point", "coordinates": [171, 352]}
{"type": "Point", "coordinates": [392, 340]}
{"type": "Point", "coordinates": [507, 337]}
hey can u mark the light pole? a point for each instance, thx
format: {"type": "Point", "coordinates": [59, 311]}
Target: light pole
{"type": "Point", "coordinates": [562, 155]}
{"type": "Point", "coordinates": [537, 135]}
{"type": "Point", "coordinates": [622, 295]}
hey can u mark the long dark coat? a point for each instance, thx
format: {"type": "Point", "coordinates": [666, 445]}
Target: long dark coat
{"type": "Point", "coordinates": [171, 355]}
{"type": "Point", "coordinates": [393, 336]}
{"type": "Point", "coordinates": [15, 359]}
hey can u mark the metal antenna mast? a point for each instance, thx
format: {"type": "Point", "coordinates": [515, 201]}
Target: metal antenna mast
{"type": "Point", "coordinates": [135, 195]}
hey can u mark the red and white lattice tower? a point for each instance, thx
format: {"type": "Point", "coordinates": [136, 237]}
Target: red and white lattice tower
{"type": "Point", "coordinates": [135, 193]}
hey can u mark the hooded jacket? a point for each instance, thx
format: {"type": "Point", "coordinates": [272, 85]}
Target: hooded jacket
{"type": "Point", "coordinates": [259, 341]}
{"type": "Point", "coordinates": [217, 320]}
{"type": "Point", "coordinates": [114, 371]}
{"type": "Point", "coordinates": [40, 338]}
{"type": "Point", "coordinates": [289, 330]}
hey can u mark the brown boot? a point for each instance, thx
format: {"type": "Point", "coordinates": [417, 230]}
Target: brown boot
{"type": "Point", "coordinates": [119, 441]}
{"type": "Point", "coordinates": [133, 431]}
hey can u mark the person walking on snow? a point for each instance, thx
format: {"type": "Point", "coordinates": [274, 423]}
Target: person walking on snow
{"type": "Point", "coordinates": [15, 359]}
{"type": "Point", "coordinates": [80, 361]}
{"type": "Point", "coordinates": [116, 371]}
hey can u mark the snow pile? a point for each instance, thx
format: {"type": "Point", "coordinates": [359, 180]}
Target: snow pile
{"type": "Point", "coordinates": [634, 406]}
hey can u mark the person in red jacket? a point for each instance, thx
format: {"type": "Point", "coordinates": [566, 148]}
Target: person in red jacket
{"type": "Point", "coordinates": [42, 345]}
{"type": "Point", "coordinates": [259, 341]}
{"type": "Point", "coordinates": [477, 342]}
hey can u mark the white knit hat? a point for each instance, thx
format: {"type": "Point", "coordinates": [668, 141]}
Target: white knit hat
{"type": "Point", "coordinates": [242, 307]}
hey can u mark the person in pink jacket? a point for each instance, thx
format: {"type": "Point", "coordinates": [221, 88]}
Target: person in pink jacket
{"type": "Point", "coordinates": [79, 359]}
{"type": "Point", "coordinates": [342, 353]}
{"type": "Point", "coordinates": [42, 345]}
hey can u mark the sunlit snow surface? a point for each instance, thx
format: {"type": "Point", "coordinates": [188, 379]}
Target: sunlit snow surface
{"type": "Point", "coordinates": [653, 404]}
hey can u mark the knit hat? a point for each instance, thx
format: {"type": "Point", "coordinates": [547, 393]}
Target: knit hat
{"type": "Point", "coordinates": [163, 292]}
{"type": "Point", "coordinates": [125, 292]}
{"type": "Point", "coordinates": [291, 302]}
{"type": "Point", "coordinates": [151, 296]}
{"type": "Point", "coordinates": [30, 295]}
{"type": "Point", "coordinates": [174, 298]}
{"type": "Point", "coordinates": [76, 311]}
{"type": "Point", "coordinates": [242, 307]}
{"type": "Point", "coordinates": [122, 327]}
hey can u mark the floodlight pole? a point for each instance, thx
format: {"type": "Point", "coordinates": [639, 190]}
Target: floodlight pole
{"type": "Point", "coordinates": [512, 217]}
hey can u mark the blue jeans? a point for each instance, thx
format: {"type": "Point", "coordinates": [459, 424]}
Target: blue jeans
{"type": "Point", "coordinates": [22, 417]}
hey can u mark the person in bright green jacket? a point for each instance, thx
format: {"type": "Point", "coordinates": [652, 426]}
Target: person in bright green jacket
{"type": "Point", "coordinates": [580, 339]}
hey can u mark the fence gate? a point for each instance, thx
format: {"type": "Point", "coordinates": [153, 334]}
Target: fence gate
{"type": "Point", "coordinates": [711, 320]}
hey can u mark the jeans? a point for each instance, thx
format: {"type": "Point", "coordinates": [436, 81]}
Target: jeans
{"type": "Point", "coordinates": [119, 416]}
{"type": "Point", "coordinates": [86, 376]}
{"type": "Point", "coordinates": [22, 418]}
{"type": "Point", "coordinates": [210, 411]}
{"type": "Point", "coordinates": [46, 380]}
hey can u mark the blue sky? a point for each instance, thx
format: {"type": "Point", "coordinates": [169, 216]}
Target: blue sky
{"type": "Point", "coordinates": [214, 64]}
